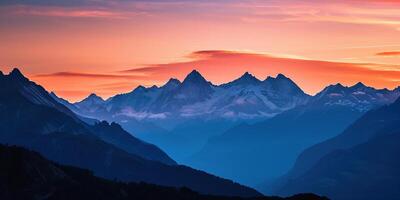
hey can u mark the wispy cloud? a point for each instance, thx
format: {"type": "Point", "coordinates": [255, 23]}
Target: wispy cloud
{"type": "Point", "coordinates": [388, 53]}
{"type": "Point", "coordinates": [370, 12]}
{"type": "Point", "coordinates": [90, 75]}
{"type": "Point", "coordinates": [221, 66]}
{"type": "Point", "coordinates": [385, 13]}
{"type": "Point", "coordinates": [71, 12]}
{"type": "Point", "coordinates": [140, 70]}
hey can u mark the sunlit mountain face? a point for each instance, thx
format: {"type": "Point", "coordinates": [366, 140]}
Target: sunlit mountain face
{"type": "Point", "coordinates": [173, 99]}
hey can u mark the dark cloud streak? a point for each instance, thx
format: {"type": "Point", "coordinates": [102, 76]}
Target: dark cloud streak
{"type": "Point", "coordinates": [389, 53]}
{"type": "Point", "coordinates": [90, 75]}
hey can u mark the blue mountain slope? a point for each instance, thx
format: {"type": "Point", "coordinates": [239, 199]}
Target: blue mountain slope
{"type": "Point", "coordinates": [384, 120]}
{"type": "Point", "coordinates": [367, 171]}
{"type": "Point", "coordinates": [171, 111]}
{"type": "Point", "coordinates": [254, 147]}
{"type": "Point", "coordinates": [360, 163]}
{"type": "Point", "coordinates": [31, 118]}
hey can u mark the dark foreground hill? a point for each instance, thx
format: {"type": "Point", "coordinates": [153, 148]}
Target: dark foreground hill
{"type": "Point", "coordinates": [26, 174]}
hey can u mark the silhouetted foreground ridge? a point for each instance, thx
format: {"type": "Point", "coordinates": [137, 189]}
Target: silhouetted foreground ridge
{"type": "Point", "coordinates": [26, 174]}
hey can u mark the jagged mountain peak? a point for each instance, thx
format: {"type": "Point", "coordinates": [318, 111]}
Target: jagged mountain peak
{"type": "Point", "coordinates": [194, 73]}
{"type": "Point", "coordinates": [91, 100]}
{"type": "Point", "coordinates": [283, 83]}
{"type": "Point", "coordinates": [281, 76]}
{"type": "Point", "coordinates": [194, 77]}
{"type": "Point", "coordinates": [337, 86]}
{"type": "Point", "coordinates": [95, 96]}
{"type": "Point", "coordinates": [139, 88]}
{"type": "Point", "coordinates": [358, 85]}
{"type": "Point", "coordinates": [173, 80]}
{"type": "Point", "coordinates": [247, 74]}
{"type": "Point", "coordinates": [333, 88]}
{"type": "Point", "coordinates": [247, 77]}
{"type": "Point", "coordinates": [16, 74]}
{"type": "Point", "coordinates": [172, 83]}
{"type": "Point", "coordinates": [278, 77]}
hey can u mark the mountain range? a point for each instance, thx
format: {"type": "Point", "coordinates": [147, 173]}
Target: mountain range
{"type": "Point", "coordinates": [265, 133]}
{"type": "Point", "coordinates": [184, 115]}
{"type": "Point", "coordinates": [254, 146]}
{"type": "Point", "coordinates": [244, 98]}
{"type": "Point", "coordinates": [30, 117]}
{"type": "Point", "coordinates": [226, 127]}
{"type": "Point", "coordinates": [340, 143]}
{"type": "Point", "coordinates": [360, 163]}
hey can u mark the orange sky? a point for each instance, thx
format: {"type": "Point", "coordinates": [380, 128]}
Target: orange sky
{"type": "Point", "coordinates": [78, 47]}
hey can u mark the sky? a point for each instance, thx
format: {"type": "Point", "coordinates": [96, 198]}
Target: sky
{"type": "Point", "coordinates": [107, 47]}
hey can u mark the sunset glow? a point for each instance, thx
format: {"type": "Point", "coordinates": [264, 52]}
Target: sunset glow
{"type": "Point", "coordinates": [111, 47]}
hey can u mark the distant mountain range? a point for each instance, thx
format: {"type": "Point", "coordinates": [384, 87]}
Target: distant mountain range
{"type": "Point", "coordinates": [240, 124]}
{"type": "Point", "coordinates": [244, 98]}
{"type": "Point", "coordinates": [184, 115]}
{"type": "Point", "coordinates": [360, 163]}
{"type": "Point", "coordinates": [30, 117]}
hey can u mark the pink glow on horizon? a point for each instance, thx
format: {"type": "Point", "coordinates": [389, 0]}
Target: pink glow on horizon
{"type": "Point", "coordinates": [84, 47]}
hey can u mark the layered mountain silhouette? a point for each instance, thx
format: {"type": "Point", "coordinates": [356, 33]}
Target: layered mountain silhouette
{"type": "Point", "coordinates": [28, 109]}
{"type": "Point", "coordinates": [254, 131]}
{"type": "Point", "coordinates": [184, 115]}
{"type": "Point", "coordinates": [31, 117]}
{"type": "Point", "coordinates": [360, 163]}
{"type": "Point", "coordinates": [26, 174]}
{"type": "Point", "coordinates": [196, 96]}
{"type": "Point", "coordinates": [255, 146]}
{"type": "Point", "coordinates": [226, 128]}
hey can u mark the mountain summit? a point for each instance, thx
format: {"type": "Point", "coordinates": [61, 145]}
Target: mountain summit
{"type": "Point", "coordinates": [94, 97]}
{"type": "Point", "coordinates": [244, 98]}
{"type": "Point", "coordinates": [195, 77]}
{"type": "Point", "coordinates": [245, 79]}
{"type": "Point", "coordinates": [172, 83]}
